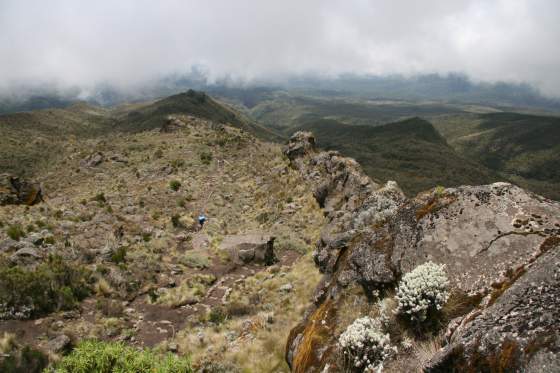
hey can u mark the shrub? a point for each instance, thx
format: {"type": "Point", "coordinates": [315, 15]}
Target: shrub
{"type": "Point", "coordinates": [175, 221]}
{"type": "Point", "coordinates": [217, 315]}
{"type": "Point", "coordinates": [364, 345]}
{"type": "Point", "coordinates": [195, 260]}
{"type": "Point", "coordinates": [422, 290]}
{"type": "Point", "coordinates": [24, 359]}
{"type": "Point", "coordinates": [119, 255]}
{"type": "Point", "coordinates": [15, 232]}
{"type": "Point", "coordinates": [174, 185]}
{"type": "Point", "coordinates": [53, 285]}
{"type": "Point", "coordinates": [206, 157]}
{"type": "Point", "coordinates": [107, 357]}
{"type": "Point", "coordinates": [99, 198]}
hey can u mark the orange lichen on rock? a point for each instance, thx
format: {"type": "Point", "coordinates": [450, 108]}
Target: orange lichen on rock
{"type": "Point", "coordinates": [314, 337]}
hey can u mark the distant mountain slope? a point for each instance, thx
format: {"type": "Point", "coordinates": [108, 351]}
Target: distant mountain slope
{"type": "Point", "coordinates": [194, 103]}
{"type": "Point", "coordinates": [411, 152]}
{"type": "Point", "coordinates": [29, 141]}
{"type": "Point", "coordinates": [523, 148]}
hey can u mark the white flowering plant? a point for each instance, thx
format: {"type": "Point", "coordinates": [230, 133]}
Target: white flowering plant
{"type": "Point", "coordinates": [364, 345]}
{"type": "Point", "coordinates": [423, 289]}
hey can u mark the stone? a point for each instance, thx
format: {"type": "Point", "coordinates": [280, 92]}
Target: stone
{"type": "Point", "coordinates": [15, 191]}
{"type": "Point", "coordinates": [286, 288]}
{"type": "Point", "coordinates": [250, 248]}
{"type": "Point", "coordinates": [93, 160]}
{"type": "Point", "coordinates": [59, 344]}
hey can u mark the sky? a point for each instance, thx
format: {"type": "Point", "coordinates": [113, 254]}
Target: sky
{"type": "Point", "coordinates": [127, 43]}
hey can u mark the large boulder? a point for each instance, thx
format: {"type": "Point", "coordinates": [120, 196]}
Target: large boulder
{"type": "Point", "coordinates": [15, 191]}
{"type": "Point", "coordinates": [518, 332]}
{"type": "Point", "coordinates": [250, 248]}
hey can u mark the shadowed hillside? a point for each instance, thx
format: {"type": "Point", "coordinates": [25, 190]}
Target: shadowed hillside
{"type": "Point", "coordinates": [522, 148]}
{"type": "Point", "coordinates": [411, 152]}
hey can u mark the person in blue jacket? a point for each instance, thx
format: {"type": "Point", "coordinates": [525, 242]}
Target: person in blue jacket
{"type": "Point", "coordinates": [201, 220]}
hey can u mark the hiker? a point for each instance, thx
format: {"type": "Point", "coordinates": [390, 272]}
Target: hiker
{"type": "Point", "coordinates": [201, 220]}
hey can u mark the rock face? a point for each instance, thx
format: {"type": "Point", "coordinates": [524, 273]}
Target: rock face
{"type": "Point", "coordinates": [489, 237]}
{"type": "Point", "coordinates": [14, 191]}
{"type": "Point", "coordinates": [250, 248]}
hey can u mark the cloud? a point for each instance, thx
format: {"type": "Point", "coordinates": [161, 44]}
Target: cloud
{"type": "Point", "coordinates": [127, 43]}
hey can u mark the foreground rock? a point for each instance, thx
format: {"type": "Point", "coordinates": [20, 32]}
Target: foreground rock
{"type": "Point", "coordinates": [489, 237]}
{"type": "Point", "coordinates": [15, 191]}
{"type": "Point", "coordinates": [250, 248]}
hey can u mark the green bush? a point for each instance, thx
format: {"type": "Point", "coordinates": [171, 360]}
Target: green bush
{"type": "Point", "coordinates": [206, 157]}
{"type": "Point", "coordinates": [217, 315]}
{"type": "Point", "coordinates": [119, 255]}
{"type": "Point", "coordinates": [176, 221]}
{"type": "Point", "coordinates": [15, 232]}
{"type": "Point", "coordinates": [100, 198]}
{"type": "Point", "coordinates": [53, 285]}
{"type": "Point", "coordinates": [108, 357]}
{"type": "Point", "coordinates": [174, 185]}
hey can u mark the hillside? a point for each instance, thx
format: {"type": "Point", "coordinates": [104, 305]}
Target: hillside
{"type": "Point", "coordinates": [520, 147]}
{"type": "Point", "coordinates": [114, 253]}
{"type": "Point", "coordinates": [140, 117]}
{"type": "Point", "coordinates": [411, 152]}
{"type": "Point", "coordinates": [31, 141]}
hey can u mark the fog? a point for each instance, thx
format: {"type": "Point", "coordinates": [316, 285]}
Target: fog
{"type": "Point", "coordinates": [129, 43]}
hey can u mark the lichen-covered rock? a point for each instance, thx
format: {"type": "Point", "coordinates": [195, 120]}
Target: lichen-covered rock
{"type": "Point", "coordinates": [15, 191]}
{"type": "Point", "coordinates": [485, 235]}
{"type": "Point", "coordinates": [520, 332]}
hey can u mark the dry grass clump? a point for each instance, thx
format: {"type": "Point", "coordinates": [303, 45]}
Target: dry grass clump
{"type": "Point", "coordinates": [189, 292]}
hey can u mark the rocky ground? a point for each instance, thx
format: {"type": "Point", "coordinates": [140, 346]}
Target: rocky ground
{"type": "Point", "coordinates": [121, 213]}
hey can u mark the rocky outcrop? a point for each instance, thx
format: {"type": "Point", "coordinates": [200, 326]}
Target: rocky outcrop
{"type": "Point", "coordinates": [172, 124]}
{"type": "Point", "coordinates": [487, 236]}
{"type": "Point", "coordinates": [93, 160]}
{"type": "Point", "coordinates": [518, 332]}
{"type": "Point", "coordinates": [15, 191]}
{"type": "Point", "coordinates": [250, 248]}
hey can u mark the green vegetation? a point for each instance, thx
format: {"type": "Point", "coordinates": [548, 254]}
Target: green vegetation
{"type": "Point", "coordinates": [119, 255]}
{"type": "Point", "coordinates": [107, 357]}
{"type": "Point", "coordinates": [99, 198]}
{"type": "Point", "coordinates": [15, 232]}
{"type": "Point", "coordinates": [519, 147]}
{"type": "Point", "coordinates": [174, 185]}
{"type": "Point", "coordinates": [24, 359]}
{"type": "Point", "coordinates": [52, 286]}
{"type": "Point", "coordinates": [206, 157]}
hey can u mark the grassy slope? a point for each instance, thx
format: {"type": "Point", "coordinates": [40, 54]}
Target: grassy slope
{"type": "Point", "coordinates": [247, 186]}
{"type": "Point", "coordinates": [523, 148]}
{"type": "Point", "coordinates": [411, 152]}
{"type": "Point", "coordinates": [31, 141]}
{"type": "Point", "coordinates": [152, 115]}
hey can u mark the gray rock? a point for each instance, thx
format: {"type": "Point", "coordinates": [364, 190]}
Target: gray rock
{"type": "Point", "coordinates": [59, 344]}
{"type": "Point", "coordinates": [250, 248]}
{"type": "Point", "coordinates": [530, 339]}
{"type": "Point", "coordinates": [93, 160]}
